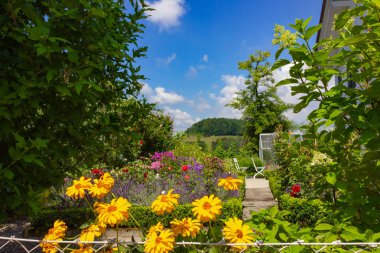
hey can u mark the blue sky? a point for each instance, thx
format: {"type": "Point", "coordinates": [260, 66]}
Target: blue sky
{"type": "Point", "coordinates": [194, 47]}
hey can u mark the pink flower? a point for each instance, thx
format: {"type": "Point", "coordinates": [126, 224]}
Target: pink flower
{"type": "Point", "coordinates": [187, 177]}
{"type": "Point", "coordinates": [170, 168]}
{"type": "Point", "coordinates": [156, 165]}
{"type": "Point", "coordinates": [185, 168]}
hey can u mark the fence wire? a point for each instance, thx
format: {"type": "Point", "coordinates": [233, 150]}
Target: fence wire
{"type": "Point", "coordinates": [22, 245]}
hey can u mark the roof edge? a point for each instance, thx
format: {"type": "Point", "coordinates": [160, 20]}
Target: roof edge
{"type": "Point", "coordinates": [321, 19]}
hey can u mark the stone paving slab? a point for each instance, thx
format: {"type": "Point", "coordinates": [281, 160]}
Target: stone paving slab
{"type": "Point", "coordinates": [258, 196]}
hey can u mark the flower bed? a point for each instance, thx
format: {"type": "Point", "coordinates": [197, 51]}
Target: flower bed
{"type": "Point", "coordinates": [143, 180]}
{"type": "Point", "coordinates": [196, 221]}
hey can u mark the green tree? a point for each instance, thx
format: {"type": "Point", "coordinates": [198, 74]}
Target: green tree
{"type": "Point", "coordinates": [68, 88]}
{"type": "Point", "coordinates": [262, 108]}
{"type": "Point", "coordinates": [217, 127]}
{"type": "Point", "coordinates": [346, 125]}
{"type": "Point", "coordinates": [157, 133]}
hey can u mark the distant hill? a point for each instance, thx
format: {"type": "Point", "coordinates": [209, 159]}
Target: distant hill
{"type": "Point", "coordinates": [217, 127]}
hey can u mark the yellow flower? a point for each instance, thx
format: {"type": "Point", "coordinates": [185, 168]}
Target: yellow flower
{"type": "Point", "coordinates": [83, 249]}
{"type": "Point", "coordinates": [236, 232]}
{"type": "Point", "coordinates": [185, 227]}
{"type": "Point", "coordinates": [113, 213]}
{"type": "Point", "coordinates": [207, 208]}
{"type": "Point", "coordinates": [283, 38]}
{"type": "Point", "coordinates": [230, 183]}
{"type": "Point", "coordinates": [77, 190]}
{"type": "Point", "coordinates": [159, 242]}
{"type": "Point", "coordinates": [156, 228]}
{"type": "Point", "coordinates": [165, 203]}
{"type": "Point", "coordinates": [88, 234]}
{"type": "Point", "coordinates": [55, 234]}
{"type": "Point", "coordinates": [102, 187]}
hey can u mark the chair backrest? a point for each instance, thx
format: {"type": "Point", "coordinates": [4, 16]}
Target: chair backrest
{"type": "Point", "coordinates": [236, 164]}
{"type": "Point", "coordinates": [253, 161]}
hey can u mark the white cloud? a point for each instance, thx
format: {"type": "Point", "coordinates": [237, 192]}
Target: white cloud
{"type": "Point", "coordinates": [146, 90]}
{"type": "Point", "coordinates": [161, 96]}
{"type": "Point", "coordinates": [205, 58]}
{"type": "Point", "coordinates": [284, 92]}
{"type": "Point", "coordinates": [232, 85]}
{"type": "Point", "coordinates": [182, 119]}
{"type": "Point", "coordinates": [166, 61]}
{"type": "Point", "coordinates": [166, 13]}
{"type": "Point", "coordinates": [192, 72]}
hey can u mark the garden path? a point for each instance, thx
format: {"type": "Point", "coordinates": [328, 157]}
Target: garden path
{"type": "Point", "coordinates": [258, 196]}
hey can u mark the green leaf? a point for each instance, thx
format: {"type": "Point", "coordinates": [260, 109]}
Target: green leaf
{"type": "Point", "coordinates": [78, 88]}
{"type": "Point", "coordinates": [97, 12]}
{"type": "Point", "coordinates": [20, 141]}
{"type": "Point", "coordinates": [278, 53]}
{"type": "Point", "coordinates": [351, 233]}
{"type": "Point", "coordinates": [37, 32]}
{"type": "Point", "coordinates": [286, 81]}
{"type": "Point", "coordinates": [73, 56]}
{"type": "Point", "coordinates": [311, 31]}
{"type": "Point", "coordinates": [335, 114]}
{"type": "Point", "coordinates": [63, 90]}
{"type": "Point", "coordinates": [331, 178]}
{"type": "Point", "coordinates": [323, 227]}
{"type": "Point", "coordinates": [283, 237]}
{"type": "Point", "coordinates": [280, 63]}
{"type": "Point", "coordinates": [8, 174]}
{"type": "Point", "coordinates": [40, 143]}
{"type": "Point", "coordinates": [4, 113]}
{"type": "Point", "coordinates": [215, 249]}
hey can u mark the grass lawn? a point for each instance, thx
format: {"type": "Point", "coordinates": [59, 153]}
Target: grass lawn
{"type": "Point", "coordinates": [209, 139]}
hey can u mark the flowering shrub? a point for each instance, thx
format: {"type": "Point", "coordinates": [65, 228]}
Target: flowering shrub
{"type": "Point", "coordinates": [159, 239]}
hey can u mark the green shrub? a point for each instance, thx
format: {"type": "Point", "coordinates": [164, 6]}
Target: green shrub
{"type": "Point", "coordinates": [302, 211]}
{"type": "Point", "coordinates": [75, 217]}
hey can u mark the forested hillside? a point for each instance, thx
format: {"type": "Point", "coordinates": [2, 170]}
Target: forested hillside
{"type": "Point", "coordinates": [217, 126]}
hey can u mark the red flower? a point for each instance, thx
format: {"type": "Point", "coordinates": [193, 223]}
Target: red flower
{"type": "Point", "coordinates": [141, 142]}
{"type": "Point", "coordinates": [296, 188]}
{"type": "Point", "coordinates": [145, 174]}
{"type": "Point", "coordinates": [97, 172]}
{"type": "Point", "coordinates": [125, 170]}
{"type": "Point", "coordinates": [170, 168]}
{"type": "Point", "coordinates": [185, 168]}
{"type": "Point", "coordinates": [187, 177]}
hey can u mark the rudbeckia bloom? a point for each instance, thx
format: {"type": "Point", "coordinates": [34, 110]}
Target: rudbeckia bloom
{"type": "Point", "coordinates": [113, 213]}
{"type": "Point", "coordinates": [83, 249]}
{"type": "Point", "coordinates": [55, 234]}
{"type": "Point", "coordinates": [101, 187]}
{"type": "Point", "coordinates": [159, 242]}
{"type": "Point", "coordinates": [207, 208]}
{"type": "Point", "coordinates": [185, 227]}
{"type": "Point", "coordinates": [77, 190]}
{"type": "Point", "coordinates": [165, 203]}
{"type": "Point", "coordinates": [156, 228]}
{"type": "Point", "coordinates": [88, 234]}
{"type": "Point", "coordinates": [237, 232]}
{"type": "Point", "coordinates": [230, 183]}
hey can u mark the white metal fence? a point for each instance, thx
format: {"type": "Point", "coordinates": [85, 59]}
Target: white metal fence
{"type": "Point", "coordinates": [22, 245]}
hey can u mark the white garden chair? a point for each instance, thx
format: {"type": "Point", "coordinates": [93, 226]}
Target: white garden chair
{"type": "Point", "coordinates": [238, 168]}
{"type": "Point", "coordinates": [259, 170]}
